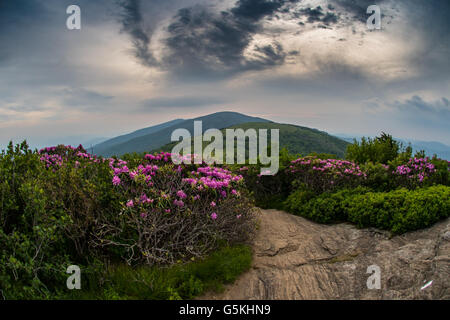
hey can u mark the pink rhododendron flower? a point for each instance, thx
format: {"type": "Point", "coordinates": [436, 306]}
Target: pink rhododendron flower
{"type": "Point", "coordinates": [179, 203]}
{"type": "Point", "coordinates": [116, 180]}
{"type": "Point", "coordinates": [181, 194]}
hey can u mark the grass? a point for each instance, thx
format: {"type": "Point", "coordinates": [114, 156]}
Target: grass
{"type": "Point", "coordinates": [184, 281]}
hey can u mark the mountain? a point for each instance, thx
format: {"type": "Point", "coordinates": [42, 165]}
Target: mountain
{"type": "Point", "coordinates": [151, 138]}
{"type": "Point", "coordinates": [430, 147]}
{"type": "Point", "coordinates": [296, 139]}
{"type": "Point", "coordinates": [103, 148]}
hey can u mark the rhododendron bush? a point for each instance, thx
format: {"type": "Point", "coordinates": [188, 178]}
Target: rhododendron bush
{"type": "Point", "coordinates": [62, 206]}
{"type": "Point", "coordinates": [320, 175]}
{"type": "Point", "coordinates": [419, 172]}
{"type": "Point", "coordinates": [166, 213]}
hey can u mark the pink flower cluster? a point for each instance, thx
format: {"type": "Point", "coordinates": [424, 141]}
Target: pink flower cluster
{"type": "Point", "coordinates": [148, 188]}
{"type": "Point", "coordinates": [163, 156]}
{"type": "Point", "coordinates": [416, 168]}
{"type": "Point", "coordinates": [55, 156]}
{"type": "Point", "coordinates": [52, 160]}
{"type": "Point", "coordinates": [212, 177]}
{"type": "Point", "coordinates": [333, 166]}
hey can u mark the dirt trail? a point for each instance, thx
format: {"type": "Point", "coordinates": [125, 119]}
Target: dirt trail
{"type": "Point", "coordinates": [298, 259]}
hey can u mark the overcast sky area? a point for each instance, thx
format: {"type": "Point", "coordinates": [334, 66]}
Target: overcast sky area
{"type": "Point", "coordinates": [137, 63]}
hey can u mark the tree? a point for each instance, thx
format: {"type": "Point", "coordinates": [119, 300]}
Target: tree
{"type": "Point", "coordinates": [381, 149]}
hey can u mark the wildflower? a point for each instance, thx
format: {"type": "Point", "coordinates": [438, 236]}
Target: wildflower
{"type": "Point", "coordinates": [130, 204]}
{"type": "Point", "coordinates": [213, 204]}
{"type": "Point", "coordinates": [116, 181]}
{"type": "Point", "coordinates": [179, 203]}
{"type": "Point", "coordinates": [214, 216]}
{"type": "Point", "coordinates": [239, 216]}
{"type": "Point", "coordinates": [181, 194]}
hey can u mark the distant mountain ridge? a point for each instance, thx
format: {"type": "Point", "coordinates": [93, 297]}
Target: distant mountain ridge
{"type": "Point", "coordinates": [151, 138]}
{"type": "Point", "coordinates": [296, 139]}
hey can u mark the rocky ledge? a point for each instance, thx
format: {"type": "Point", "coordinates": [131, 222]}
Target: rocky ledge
{"type": "Point", "coordinates": [297, 259]}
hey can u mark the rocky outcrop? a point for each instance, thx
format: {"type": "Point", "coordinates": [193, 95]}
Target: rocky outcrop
{"type": "Point", "coordinates": [298, 259]}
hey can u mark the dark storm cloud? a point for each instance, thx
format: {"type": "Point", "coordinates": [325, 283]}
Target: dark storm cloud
{"type": "Point", "coordinates": [359, 7]}
{"type": "Point", "coordinates": [256, 9]}
{"type": "Point", "coordinates": [132, 23]}
{"type": "Point", "coordinates": [317, 14]}
{"type": "Point", "coordinates": [313, 14]}
{"type": "Point", "coordinates": [204, 43]}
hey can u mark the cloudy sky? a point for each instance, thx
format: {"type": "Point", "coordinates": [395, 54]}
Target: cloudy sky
{"type": "Point", "coordinates": [138, 63]}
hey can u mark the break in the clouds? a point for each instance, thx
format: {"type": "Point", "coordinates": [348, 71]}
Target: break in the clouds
{"type": "Point", "coordinates": [136, 63]}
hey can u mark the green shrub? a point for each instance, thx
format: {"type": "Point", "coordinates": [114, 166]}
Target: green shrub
{"type": "Point", "coordinates": [401, 210]}
{"type": "Point", "coordinates": [61, 207]}
{"type": "Point", "coordinates": [183, 281]}
{"type": "Point", "coordinates": [268, 191]}
{"type": "Point", "coordinates": [398, 211]}
{"type": "Point", "coordinates": [381, 149]}
{"type": "Point", "coordinates": [379, 177]}
{"type": "Point", "coordinates": [327, 207]}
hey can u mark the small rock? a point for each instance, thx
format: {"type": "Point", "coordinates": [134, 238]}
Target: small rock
{"type": "Point", "coordinates": [446, 236]}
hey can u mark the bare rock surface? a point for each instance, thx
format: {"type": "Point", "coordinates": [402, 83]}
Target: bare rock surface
{"type": "Point", "coordinates": [298, 259]}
